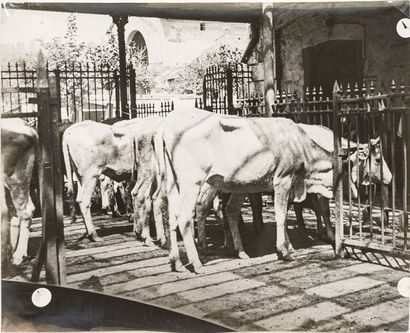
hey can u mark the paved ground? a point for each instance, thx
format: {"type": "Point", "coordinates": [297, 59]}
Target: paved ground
{"type": "Point", "coordinates": [315, 292]}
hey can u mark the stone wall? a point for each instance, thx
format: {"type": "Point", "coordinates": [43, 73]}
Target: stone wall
{"type": "Point", "coordinates": [385, 54]}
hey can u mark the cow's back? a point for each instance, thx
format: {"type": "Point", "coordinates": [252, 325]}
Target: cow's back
{"type": "Point", "coordinates": [17, 140]}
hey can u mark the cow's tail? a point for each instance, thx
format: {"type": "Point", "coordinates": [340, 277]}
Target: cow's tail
{"type": "Point", "coordinates": [68, 168]}
{"type": "Point", "coordinates": [159, 152]}
{"type": "Point", "coordinates": [69, 174]}
{"type": "Point", "coordinates": [134, 160]}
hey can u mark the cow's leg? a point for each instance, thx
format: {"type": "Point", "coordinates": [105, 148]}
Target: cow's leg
{"type": "Point", "coordinates": [128, 197]}
{"type": "Point", "coordinates": [14, 232]}
{"type": "Point", "coordinates": [157, 205]}
{"type": "Point", "coordinates": [118, 194]}
{"type": "Point", "coordinates": [233, 211]}
{"type": "Point", "coordinates": [228, 242]}
{"type": "Point", "coordinates": [283, 245]}
{"type": "Point", "coordinates": [298, 207]}
{"type": "Point", "coordinates": [105, 196]}
{"type": "Point", "coordinates": [146, 233]}
{"type": "Point", "coordinates": [174, 258]}
{"type": "Point", "coordinates": [217, 207]}
{"type": "Point", "coordinates": [6, 248]}
{"type": "Point", "coordinates": [185, 224]}
{"type": "Point", "coordinates": [256, 205]}
{"type": "Point", "coordinates": [142, 210]}
{"type": "Point", "coordinates": [319, 226]}
{"type": "Point", "coordinates": [71, 201]}
{"type": "Point", "coordinates": [84, 200]}
{"type": "Point", "coordinates": [314, 203]}
{"type": "Point", "coordinates": [20, 196]}
{"type": "Point", "coordinates": [325, 212]}
{"type": "Point", "coordinates": [205, 201]}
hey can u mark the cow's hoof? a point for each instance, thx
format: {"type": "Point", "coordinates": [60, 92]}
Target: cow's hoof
{"type": "Point", "coordinates": [242, 255]}
{"type": "Point", "coordinates": [176, 266]}
{"type": "Point", "coordinates": [163, 243]}
{"type": "Point", "coordinates": [17, 260]}
{"type": "Point", "coordinates": [149, 242]}
{"type": "Point", "coordinates": [94, 237]}
{"type": "Point", "coordinates": [285, 256]}
{"type": "Point", "coordinates": [198, 269]}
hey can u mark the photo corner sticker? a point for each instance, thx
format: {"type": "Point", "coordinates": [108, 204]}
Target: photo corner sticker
{"type": "Point", "coordinates": [404, 287]}
{"type": "Point", "coordinates": [41, 297]}
{"type": "Point", "coordinates": [403, 28]}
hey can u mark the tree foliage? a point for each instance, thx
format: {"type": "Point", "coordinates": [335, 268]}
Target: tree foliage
{"type": "Point", "coordinates": [69, 50]}
{"type": "Point", "coordinates": [191, 77]}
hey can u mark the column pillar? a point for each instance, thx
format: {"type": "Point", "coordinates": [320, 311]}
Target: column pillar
{"type": "Point", "coordinates": [120, 21]}
{"type": "Point", "coordinates": [268, 57]}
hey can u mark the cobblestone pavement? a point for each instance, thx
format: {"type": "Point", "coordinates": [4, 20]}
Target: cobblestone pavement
{"type": "Point", "coordinates": [315, 292]}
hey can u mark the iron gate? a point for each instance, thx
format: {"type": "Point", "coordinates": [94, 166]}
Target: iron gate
{"type": "Point", "coordinates": [230, 89]}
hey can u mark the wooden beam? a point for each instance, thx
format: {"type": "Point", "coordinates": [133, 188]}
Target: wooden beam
{"type": "Point", "coordinates": [268, 57]}
{"type": "Point", "coordinates": [224, 12]}
{"type": "Point", "coordinates": [51, 251]}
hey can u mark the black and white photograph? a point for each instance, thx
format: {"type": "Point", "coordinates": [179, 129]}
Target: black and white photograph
{"type": "Point", "coordinates": [205, 166]}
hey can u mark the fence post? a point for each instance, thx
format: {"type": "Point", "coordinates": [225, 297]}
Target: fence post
{"type": "Point", "coordinates": [229, 90]}
{"type": "Point", "coordinates": [133, 91]}
{"type": "Point", "coordinates": [51, 252]}
{"type": "Point", "coordinates": [204, 90]}
{"type": "Point", "coordinates": [337, 172]}
{"type": "Point", "coordinates": [58, 91]}
{"type": "Point", "coordinates": [117, 95]}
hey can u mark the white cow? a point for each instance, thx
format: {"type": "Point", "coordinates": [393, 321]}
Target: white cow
{"type": "Point", "coordinates": [19, 144]}
{"type": "Point", "coordinates": [238, 156]}
{"type": "Point", "coordinates": [91, 149]}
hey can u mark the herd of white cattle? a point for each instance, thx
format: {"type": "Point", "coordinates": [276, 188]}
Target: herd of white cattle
{"type": "Point", "coordinates": [179, 164]}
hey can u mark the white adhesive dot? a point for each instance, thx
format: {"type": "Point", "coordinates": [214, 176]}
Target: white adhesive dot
{"type": "Point", "coordinates": [404, 286]}
{"type": "Point", "coordinates": [41, 297]}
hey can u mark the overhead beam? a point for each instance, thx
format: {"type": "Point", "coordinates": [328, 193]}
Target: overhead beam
{"type": "Point", "coordinates": [226, 12]}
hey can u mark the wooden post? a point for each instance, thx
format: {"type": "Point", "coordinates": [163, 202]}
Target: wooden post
{"type": "Point", "coordinates": [120, 21]}
{"type": "Point", "coordinates": [51, 251]}
{"type": "Point", "coordinates": [117, 95]}
{"type": "Point", "coordinates": [204, 91]}
{"type": "Point", "coordinates": [268, 57]}
{"type": "Point", "coordinates": [229, 87]}
{"type": "Point", "coordinates": [337, 172]}
{"type": "Point", "coordinates": [133, 91]}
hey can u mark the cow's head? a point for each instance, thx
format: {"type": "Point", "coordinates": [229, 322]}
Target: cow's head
{"type": "Point", "coordinates": [369, 163]}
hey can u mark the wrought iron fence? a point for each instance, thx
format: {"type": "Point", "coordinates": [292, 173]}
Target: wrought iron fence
{"type": "Point", "coordinates": [17, 92]}
{"type": "Point", "coordinates": [86, 92]}
{"type": "Point", "coordinates": [150, 109]}
{"type": "Point", "coordinates": [311, 108]}
{"type": "Point", "coordinates": [379, 217]}
{"type": "Point", "coordinates": [225, 87]}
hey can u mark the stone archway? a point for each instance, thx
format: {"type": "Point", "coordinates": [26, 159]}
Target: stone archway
{"type": "Point", "coordinates": [148, 31]}
{"type": "Point", "coordinates": [140, 47]}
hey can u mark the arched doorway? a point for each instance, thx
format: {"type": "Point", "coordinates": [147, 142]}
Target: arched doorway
{"type": "Point", "coordinates": [332, 60]}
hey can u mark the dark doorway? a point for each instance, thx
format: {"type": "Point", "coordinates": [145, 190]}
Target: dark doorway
{"type": "Point", "coordinates": [339, 60]}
